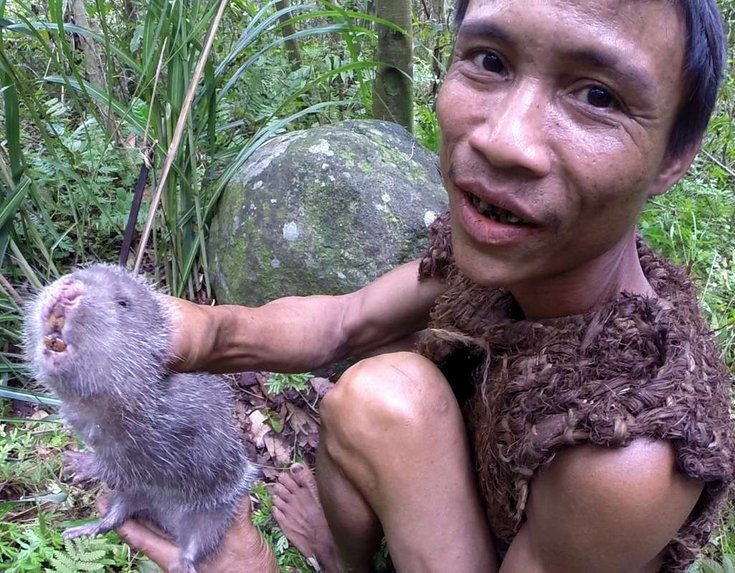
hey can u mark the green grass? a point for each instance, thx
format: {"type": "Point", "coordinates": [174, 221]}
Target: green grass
{"type": "Point", "coordinates": [693, 225]}
{"type": "Point", "coordinates": [37, 506]}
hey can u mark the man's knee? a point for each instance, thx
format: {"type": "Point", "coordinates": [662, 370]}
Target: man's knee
{"type": "Point", "coordinates": [386, 393]}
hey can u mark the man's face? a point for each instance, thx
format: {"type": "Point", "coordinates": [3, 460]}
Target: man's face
{"type": "Point", "coordinates": [555, 118]}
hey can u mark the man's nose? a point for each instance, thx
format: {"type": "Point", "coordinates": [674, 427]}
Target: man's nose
{"type": "Point", "coordinates": [514, 133]}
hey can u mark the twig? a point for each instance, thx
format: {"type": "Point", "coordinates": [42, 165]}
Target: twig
{"type": "Point", "coordinates": [178, 133]}
{"type": "Point", "coordinates": [306, 400]}
{"type": "Point", "coordinates": [10, 290]}
{"type": "Point", "coordinates": [17, 516]}
{"type": "Point", "coordinates": [720, 163]}
{"type": "Point", "coordinates": [135, 207]}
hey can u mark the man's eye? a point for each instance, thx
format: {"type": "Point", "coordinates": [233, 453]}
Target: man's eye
{"type": "Point", "coordinates": [489, 61]}
{"type": "Point", "coordinates": [599, 97]}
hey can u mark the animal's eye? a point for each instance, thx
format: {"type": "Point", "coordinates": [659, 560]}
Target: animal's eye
{"type": "Point", "coordinates": [122, 303]}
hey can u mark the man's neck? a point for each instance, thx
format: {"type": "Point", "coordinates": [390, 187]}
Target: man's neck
{"type": "Point", "coordinates": [584, 287]}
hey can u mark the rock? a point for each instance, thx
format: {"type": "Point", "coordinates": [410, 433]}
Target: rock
{"type": "Point", "coordinates": [324, 210]}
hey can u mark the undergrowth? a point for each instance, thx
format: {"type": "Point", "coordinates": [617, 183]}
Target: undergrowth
{"type": "Point", "coordinates": [37, 506]}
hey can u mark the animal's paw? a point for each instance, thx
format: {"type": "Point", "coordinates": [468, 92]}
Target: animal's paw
{"type": "Point", "coordinates": [82, 465]}
{"type": "Point", "coordinates": [85, 530]}
{"type": "Point", "coordinates": [183, 566]}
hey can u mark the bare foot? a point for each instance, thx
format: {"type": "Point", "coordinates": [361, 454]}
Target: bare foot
{"type": "Point", "coordinates": [299, 513]}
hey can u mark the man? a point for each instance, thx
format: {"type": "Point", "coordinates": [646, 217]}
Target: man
{"type": "Point", "coordinates": [599, 435]}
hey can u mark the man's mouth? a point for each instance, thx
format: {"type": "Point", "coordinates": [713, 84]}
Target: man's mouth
{"type": "Point", "coordinates": [495, 213]}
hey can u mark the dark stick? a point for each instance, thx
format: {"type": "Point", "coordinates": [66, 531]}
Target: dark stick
{"type": "Point", "coordinates": [135, 208]}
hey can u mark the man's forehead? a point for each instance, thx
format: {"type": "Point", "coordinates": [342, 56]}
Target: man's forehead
{"type": "Point", "coordinates": [637, 25]}
{"type": "Point", "coordinates": [639, 42]}
{"type": "Point", "coordinates": [599, 9]}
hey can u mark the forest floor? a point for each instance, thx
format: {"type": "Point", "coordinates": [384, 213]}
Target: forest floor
{"type": "Point", "coordinates": [279, 419]}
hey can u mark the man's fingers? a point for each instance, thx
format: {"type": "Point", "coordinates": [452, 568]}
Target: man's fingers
{"type": "Point", "coordinates": [102, 504]}
{"type": "Point", "coordinates": [158, 548]}
{"type": "Point", "coordinates": [138, 536]}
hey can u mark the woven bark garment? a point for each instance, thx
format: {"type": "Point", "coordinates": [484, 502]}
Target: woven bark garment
{"type": "Point", "coordinates": [635, 367]}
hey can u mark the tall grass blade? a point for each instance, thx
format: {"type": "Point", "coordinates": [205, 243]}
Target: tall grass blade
{"type": "Point", "coordinates": [28, 396]}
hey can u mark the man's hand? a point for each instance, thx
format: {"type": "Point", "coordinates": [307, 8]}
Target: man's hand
{"type": "Point", "coordinates": [194, 334]}
{"type": "Point", "coordinates": [242, 549]}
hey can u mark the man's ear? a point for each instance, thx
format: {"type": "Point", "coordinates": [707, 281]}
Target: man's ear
{"type": "Point", "coordinates": [673, 168]}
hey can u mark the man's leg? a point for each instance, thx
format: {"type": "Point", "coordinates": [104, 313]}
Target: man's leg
{"type": "Point", "coordinates": [394, 455]}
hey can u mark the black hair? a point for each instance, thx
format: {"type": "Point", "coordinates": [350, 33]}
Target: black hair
{"type": "Point", "coordinates": [704, 69]}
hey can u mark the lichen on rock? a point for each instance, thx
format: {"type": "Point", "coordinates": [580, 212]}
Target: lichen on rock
{"type": "Point", "coordinates": [324, 210]}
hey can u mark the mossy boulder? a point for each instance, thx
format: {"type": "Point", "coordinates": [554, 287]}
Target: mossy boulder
{"type": "Point", "coordinates": [324, 210]}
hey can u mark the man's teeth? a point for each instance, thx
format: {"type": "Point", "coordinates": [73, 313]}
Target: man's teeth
{"type": "Point", "coordinates": [495, 213]}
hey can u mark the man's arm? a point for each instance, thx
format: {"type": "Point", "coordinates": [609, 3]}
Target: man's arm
{"type": "Point", "coordinates": [296, 334]}
{"type": "Point", "coordinates": [603, 510]}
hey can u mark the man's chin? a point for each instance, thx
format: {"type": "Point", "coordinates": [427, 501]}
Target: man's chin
{"type": "Point", "coordinates": [486, 268]}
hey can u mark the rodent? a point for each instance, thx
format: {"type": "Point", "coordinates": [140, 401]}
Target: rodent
{"type": "Point", "coordinates": [166, 443]}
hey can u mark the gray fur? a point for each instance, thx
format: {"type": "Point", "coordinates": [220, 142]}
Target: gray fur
{"type": "Point", "coordinates": [166, 443]}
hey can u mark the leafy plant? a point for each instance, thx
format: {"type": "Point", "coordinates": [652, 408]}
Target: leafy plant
{"type": "Point", "coordinates": [40, 547]}
{"type": "Point", "coordinates": [83, 554]}
{"type": "Point", "coordinates": [31, 455]}
{"type": "Point", "coordinates": [262, 517]}
{"type": "Point", "coordinates": [278, 383]}
{"type": "Point", "coordinates": [36, 507]}
{"type": "Point", "coordinates": [707, 565]}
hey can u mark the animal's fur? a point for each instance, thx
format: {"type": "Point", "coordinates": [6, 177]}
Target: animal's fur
{"type": "Point", "coordinates": [166, 443]}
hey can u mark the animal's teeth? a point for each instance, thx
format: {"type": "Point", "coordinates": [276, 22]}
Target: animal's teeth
{"type": "Point", "coordinates": [56, 322]}
{"type": "Point", "coordinates": [53, 343]}
{"type": "Point", "coordinates": [513, 220]}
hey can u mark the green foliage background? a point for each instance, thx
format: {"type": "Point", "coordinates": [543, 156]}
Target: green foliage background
{"type": "Point", "coordinates": [72, 146]}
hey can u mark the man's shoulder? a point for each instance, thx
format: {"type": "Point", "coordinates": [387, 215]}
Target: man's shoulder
{"type": "Point", "coordinates": [620, 507]}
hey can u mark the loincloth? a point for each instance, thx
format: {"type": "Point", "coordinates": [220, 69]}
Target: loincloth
{"type": "Point", "coordinates": [636, 367]}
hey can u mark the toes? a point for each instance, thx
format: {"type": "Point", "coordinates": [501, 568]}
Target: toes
{"type": "Point", "coordinates": [279, 491]}
{"type": "Point", "coordinates": [286, 481]}
{"type": "Point", "coordinates": [295, 483]}
{"type": "Point", "coordinates": [297, 468]}
{"type": "Point", "coordinates": [303, 477]}
{"type": "Point", "coordinates": [279, 503]}
{"type": "Point", "coordinates": [299, 533]}
{"type": "Point", "coordinates": [278, 515]}
{"type": "Point", "coordinates": [299, 472]}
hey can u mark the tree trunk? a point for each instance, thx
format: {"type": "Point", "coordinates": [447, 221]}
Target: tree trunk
{"type": "Point", "coordinates": [93, 67]}
{"type": "Point", "coordinates": [440, 26]}
{"type": "Point", "coordinates": [393, 89]}
{"type": "Point", "coordinates": [292, 46]}
{"type": "Point", "coordinates": [439, 8]}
